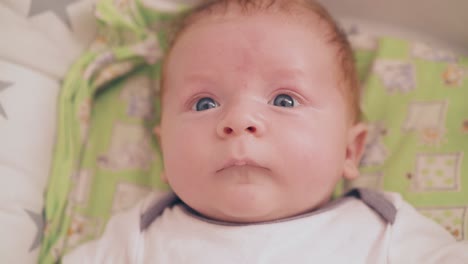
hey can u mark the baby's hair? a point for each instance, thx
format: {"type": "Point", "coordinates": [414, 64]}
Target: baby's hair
{"type": "Point", "coordinates": [348, 82]}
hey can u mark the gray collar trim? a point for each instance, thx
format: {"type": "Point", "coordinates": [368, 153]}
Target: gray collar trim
{"type": "Point", "coordinates": [373, 199]}
{"type": "Point", "coordinates": [377, 202]}
{"type": "Point", "coordinates": [155, 210]}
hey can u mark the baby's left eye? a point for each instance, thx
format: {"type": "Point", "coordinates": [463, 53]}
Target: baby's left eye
{"type": "Point", "coordinates": [284, 100]}
{"type": "Point", "coordinates": [205, 103]}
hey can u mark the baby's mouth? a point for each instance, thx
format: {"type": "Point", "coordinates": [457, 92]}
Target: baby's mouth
{"type": "Point", "coordinates": [238, 163]}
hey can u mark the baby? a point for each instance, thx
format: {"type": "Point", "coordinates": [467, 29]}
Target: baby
{"type": "Point", "coordinates": [259, 122]}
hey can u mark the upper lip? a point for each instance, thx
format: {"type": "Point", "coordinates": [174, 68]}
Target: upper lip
{"type": "Point", "coordinates": [240, 162]}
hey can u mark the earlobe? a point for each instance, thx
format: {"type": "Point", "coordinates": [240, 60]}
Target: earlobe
{"type": "Point", "coordinates": [350, 170]}
{"type": "Point", "coordinates": [355, 148]}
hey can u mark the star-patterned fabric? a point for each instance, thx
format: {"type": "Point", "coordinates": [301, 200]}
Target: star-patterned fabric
{"type": "Point", "coordinates": [3, 87]}
{"type": "Point", "coordinates": [38, 220]}
{"type": "Point", "coordinates": [31, 64]}
{"type": "Point", "coordinates": [58, 7]}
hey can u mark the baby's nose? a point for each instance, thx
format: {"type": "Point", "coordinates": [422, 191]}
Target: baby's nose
{"type": "Point", "coordinates": [228, 130]}
{"type": "Point", "coordinates": [235, 124]}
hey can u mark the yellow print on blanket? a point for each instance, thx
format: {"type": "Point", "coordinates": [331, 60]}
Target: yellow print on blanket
{"type": "Point", "coordinates": [453, 219]}
{"type": "Point", "coordinates": [82, 228]}
{"type": "Point", "coordinates": [437, 172]}
{"type": "Point", "coordinates": [454, 75]}
{"type": "Point", "coordinates": [464, 126]}
{"type": "Point", "coordinates": [428, 120]}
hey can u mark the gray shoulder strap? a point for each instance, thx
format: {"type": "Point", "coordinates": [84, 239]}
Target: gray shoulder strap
{"type": "Point", "coordinates": [377, 202]}
{"type": "Point", "coordinates": [156, 210]}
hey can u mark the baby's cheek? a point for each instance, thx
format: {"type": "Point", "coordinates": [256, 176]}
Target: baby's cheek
{"type": "Point", "coordinates": [320, 152]}
{"type": "Point", "coordinates": [187, 150]}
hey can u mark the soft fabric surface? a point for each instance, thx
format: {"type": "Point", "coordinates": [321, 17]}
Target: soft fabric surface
{"type": "Point", "coordinates": [30, 68]}
{"type": "Point", "coordinates": [27, 128]}
{"type": "Point", "coordinates": [324, 236]}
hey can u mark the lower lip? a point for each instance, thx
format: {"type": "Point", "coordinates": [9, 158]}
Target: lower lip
{"type": "Point", "coordinates": [243, 175]}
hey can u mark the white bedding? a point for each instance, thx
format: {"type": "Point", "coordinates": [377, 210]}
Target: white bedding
{"type": "Point", "coordinates": [35, 53]}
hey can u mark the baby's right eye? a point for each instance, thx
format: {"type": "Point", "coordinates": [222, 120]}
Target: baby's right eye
{"type": "Point", "coordinates": [205, 103]}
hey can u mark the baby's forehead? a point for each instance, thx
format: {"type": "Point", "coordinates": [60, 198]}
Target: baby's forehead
{"type": "Point", "coordinates": [255, 41]}
{"type": "Point", "coordinates": [216, 16]}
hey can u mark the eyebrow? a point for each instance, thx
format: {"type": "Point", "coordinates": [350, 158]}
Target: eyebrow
{"type": "Point", "coordinates": [198, 78]}
{"type": "Point", "coordinates": [285, 74]}
{"type": "Point", "coordinates": [196, 81]}
{"type": "Point", "coordinates": [288, 73]}
{"type": "Point", "coordinates": [206, 78]}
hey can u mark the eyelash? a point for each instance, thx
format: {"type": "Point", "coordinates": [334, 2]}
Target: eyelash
{"type": "Point", "coordinates": [296, 97]}
{"type": "Point", "coordinates": [193, 101]}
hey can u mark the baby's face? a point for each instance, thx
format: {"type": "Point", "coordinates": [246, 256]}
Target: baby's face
{"type": "Point", "coordinates": [254, 127]}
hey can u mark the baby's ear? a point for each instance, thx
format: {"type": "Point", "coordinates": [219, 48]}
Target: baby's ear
{"type": "Point", "coordinates": [357, 135]}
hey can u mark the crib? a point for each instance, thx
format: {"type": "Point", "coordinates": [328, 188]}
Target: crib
{"type": "Point", "coordinates": [68, 162]}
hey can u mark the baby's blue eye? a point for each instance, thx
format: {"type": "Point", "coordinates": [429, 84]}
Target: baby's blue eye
{"type": "Point", "coordinates": [284, 100]}
{"type": "Point", "coordinates": [205, 103]}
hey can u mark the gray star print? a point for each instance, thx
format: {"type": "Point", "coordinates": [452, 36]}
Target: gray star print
{"type": "Point", "coordinates": [56, 6]}
{"type": "Point", "coordinates": [3, 86]}
{"type": "Point", "coordinates": [37, 219]}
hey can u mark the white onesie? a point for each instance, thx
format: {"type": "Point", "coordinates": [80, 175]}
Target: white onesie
{"type": "Point", "coordinates": [362, 227]}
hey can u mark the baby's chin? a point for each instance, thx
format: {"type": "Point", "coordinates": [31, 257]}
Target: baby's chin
{"type": "Point", "coordinates": [253, 203]}
{"type": "Point", "coordinates": [245, 204]}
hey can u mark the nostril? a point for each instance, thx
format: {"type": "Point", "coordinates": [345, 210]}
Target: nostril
{"type": "Point", "coordinates": [228, 130]}
{"type": "Point", "coordinates": [252, 129]}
